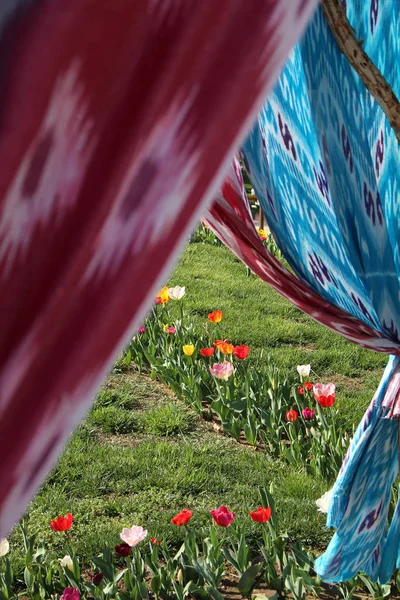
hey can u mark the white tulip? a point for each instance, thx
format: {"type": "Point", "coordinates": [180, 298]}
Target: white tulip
{"type": "Point", "coordinates": [176, 293]}
{"type": "Point", "coordinates": [252, 192]}
{"type": "Point", "coordinates": [4, 547]}
{"type": "Point", "coordinates": [134, 535]}
{"type": "Point", "coordinates": [323, 502]}
{"type": "Point", "coordinates": [303, 370]}
{"type": "Point", "coordinates": [66, 562]}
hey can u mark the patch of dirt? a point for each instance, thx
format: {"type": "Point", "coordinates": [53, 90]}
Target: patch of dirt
{"type": "Point", "coordinates": [348, 383]}
{"type": "Point", "coordinates": [308, 348]}
{"type": "Point", "coordinates": [149, 393]}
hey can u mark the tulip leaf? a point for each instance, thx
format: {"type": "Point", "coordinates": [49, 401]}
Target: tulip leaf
{"type": "Point", "coordinates": [104, 567]}
{"type": "Point", "coordinates": [246, 582]}
{"type": "Point", "coordinates": [128, 358]}
{"type": "Point", "coordinates": [230, 558]}
{"type": "Point", "coordinates": [242, 554]}
{"type": "Point", "coordinates": [238, 406]}
{"type": "Point", "coordinates": [28, 577]}
{"type": "Point", "coordinates": [214, 593]}
{"type": "Point", "coordinates": [156, 585]}
{"type": "Point", "coordinates": [250, 431]}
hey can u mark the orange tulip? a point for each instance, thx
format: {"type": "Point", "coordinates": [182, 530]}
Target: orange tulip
{"type": "Point", "coordinates": [224, 346]}
{"type": "Point", "coordinates": [216, 316]}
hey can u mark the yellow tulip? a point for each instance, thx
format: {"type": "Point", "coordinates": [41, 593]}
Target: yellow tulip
{"type": "Point", "coordinates": [162, 296]}
{"type": "Point", "coordinates": [188, 349]}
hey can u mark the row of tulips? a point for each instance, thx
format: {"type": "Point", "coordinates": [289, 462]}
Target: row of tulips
{"type": "Point", "coordinates": [139, 568]}
{"type": "Point", "coordinates": [293, 418]}
{"type": "Point", "coordinates": [134, 570]}
{"type": "Point", "coordinates": [203, 234]}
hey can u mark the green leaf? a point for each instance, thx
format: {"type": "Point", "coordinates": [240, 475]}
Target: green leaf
{"type": "Point", "coordinates": [128, 358]}
{"type": "Point", "coordinates": [238, 406]}
{"type": "Point", "coordinates": [104, 567]}
{"type": "Point", "coordinates": [156, 585]}
{"type": "Point", "coordinates": [109, 588]}
{"type": "Point", "coordinates": [250, 431]}
{"type": "Point", "coordinates": [231, 559]}
{"type": "Point", "coordinates": [28, 578]}
{"type": "Point", "coordinates": [246, 582]}
{"type": "Point", "coordinates": [193, 574]}
{"type": "Point", "coordinates": [214, 593]}
{"type": "Point", "coordinates": [242, 554]}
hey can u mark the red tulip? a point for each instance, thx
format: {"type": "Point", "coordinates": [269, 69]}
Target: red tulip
{"type": "Point", "coordinates": [123, 549]}
{"type": "Point", "coordinates": [182, 518]}
{"type": "Point", "coordinates": [325, 394]}
{"type": "Point", "coordinates": [207, 351]}
{"type": "Point", "coordinates": [292, 415]}
{"type": "Point", "coordinates": [308, 385]}
{"type": "Point", "coordinates": [62, 523]}
{"type": "Point", "coordinates": [241, 352]}
{"type": "Point", "coordinates": [96, 578]}
{"type": "Point", "coordinates": [326, 401]}
{"type": "Point", "coordinates": [155, 541]}
{"type": "Point", "coordinates": [300, 390]}
{"type": "Point", "coordinates": [222, 516]}
{"type": "Point", "coordinates": [261, 515]}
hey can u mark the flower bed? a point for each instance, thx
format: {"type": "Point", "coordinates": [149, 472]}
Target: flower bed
{"type": "Point", "coordinates": [294, 420]}
{"type": "Point", "coordinates": [141, 567]}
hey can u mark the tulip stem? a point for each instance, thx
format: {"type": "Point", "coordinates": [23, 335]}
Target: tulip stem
{"type": "Point", "coordinates": [321, 416]}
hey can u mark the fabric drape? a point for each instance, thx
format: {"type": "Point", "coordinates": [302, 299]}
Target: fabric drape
{"type": "Point", "coordinates": [324, 163]}
{"type": "Point", "coordinates": [116, 121]}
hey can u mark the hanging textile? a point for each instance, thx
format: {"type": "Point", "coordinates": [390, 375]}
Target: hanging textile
{"type": "Point", "coordinates": [325, 166]}
{"type": "Point", "coordinates": [114, 131]}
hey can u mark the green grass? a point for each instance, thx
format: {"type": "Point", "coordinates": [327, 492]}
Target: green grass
{"type": "Point", "coordinates": [113, 419]}
{"type": "Point", "coordinates": [112, 481]}
{"type": "Point", "coordinates": [167, 420]}
{"type": "Point", "coordinates": [141, 456]}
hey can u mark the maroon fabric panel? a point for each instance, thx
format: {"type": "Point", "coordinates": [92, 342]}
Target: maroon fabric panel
{"type": "Point", "coordinates": [116, 121]}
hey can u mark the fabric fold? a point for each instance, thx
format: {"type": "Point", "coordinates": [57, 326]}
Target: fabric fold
{"type": "Point", "coordinates": [361, 497]}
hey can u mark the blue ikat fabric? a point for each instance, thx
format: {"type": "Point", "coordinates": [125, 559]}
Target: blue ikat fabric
{"type": "Point", "coordinates": [325, 165]}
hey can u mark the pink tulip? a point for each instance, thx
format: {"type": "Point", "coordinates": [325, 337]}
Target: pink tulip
{"type": "Point", "coordinates": [134, 535]}
{"type": "Point", "coordinates": [171, 330]}
{"type": "Point", "coordinates": [222, 370]}
{"type": "Point", "coordinates": [308, 414]}
{"type": "Point", "coordinates": [70, 594]}
{"type": "Point", "coordinates": [142, 329]}
{"type": "Point", "coordinates": [222, 516]}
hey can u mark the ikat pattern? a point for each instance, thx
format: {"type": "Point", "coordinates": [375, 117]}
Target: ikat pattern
{"type": "Point", "coordinates": [108, 154]}
{"type": "Point", "coordinates": [325, 165]}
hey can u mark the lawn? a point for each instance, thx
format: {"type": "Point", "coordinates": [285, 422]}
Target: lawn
{"type": "Point", "coordinates": [141, 456]}
{"type": "Point", "coordinates": [170, 459]}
